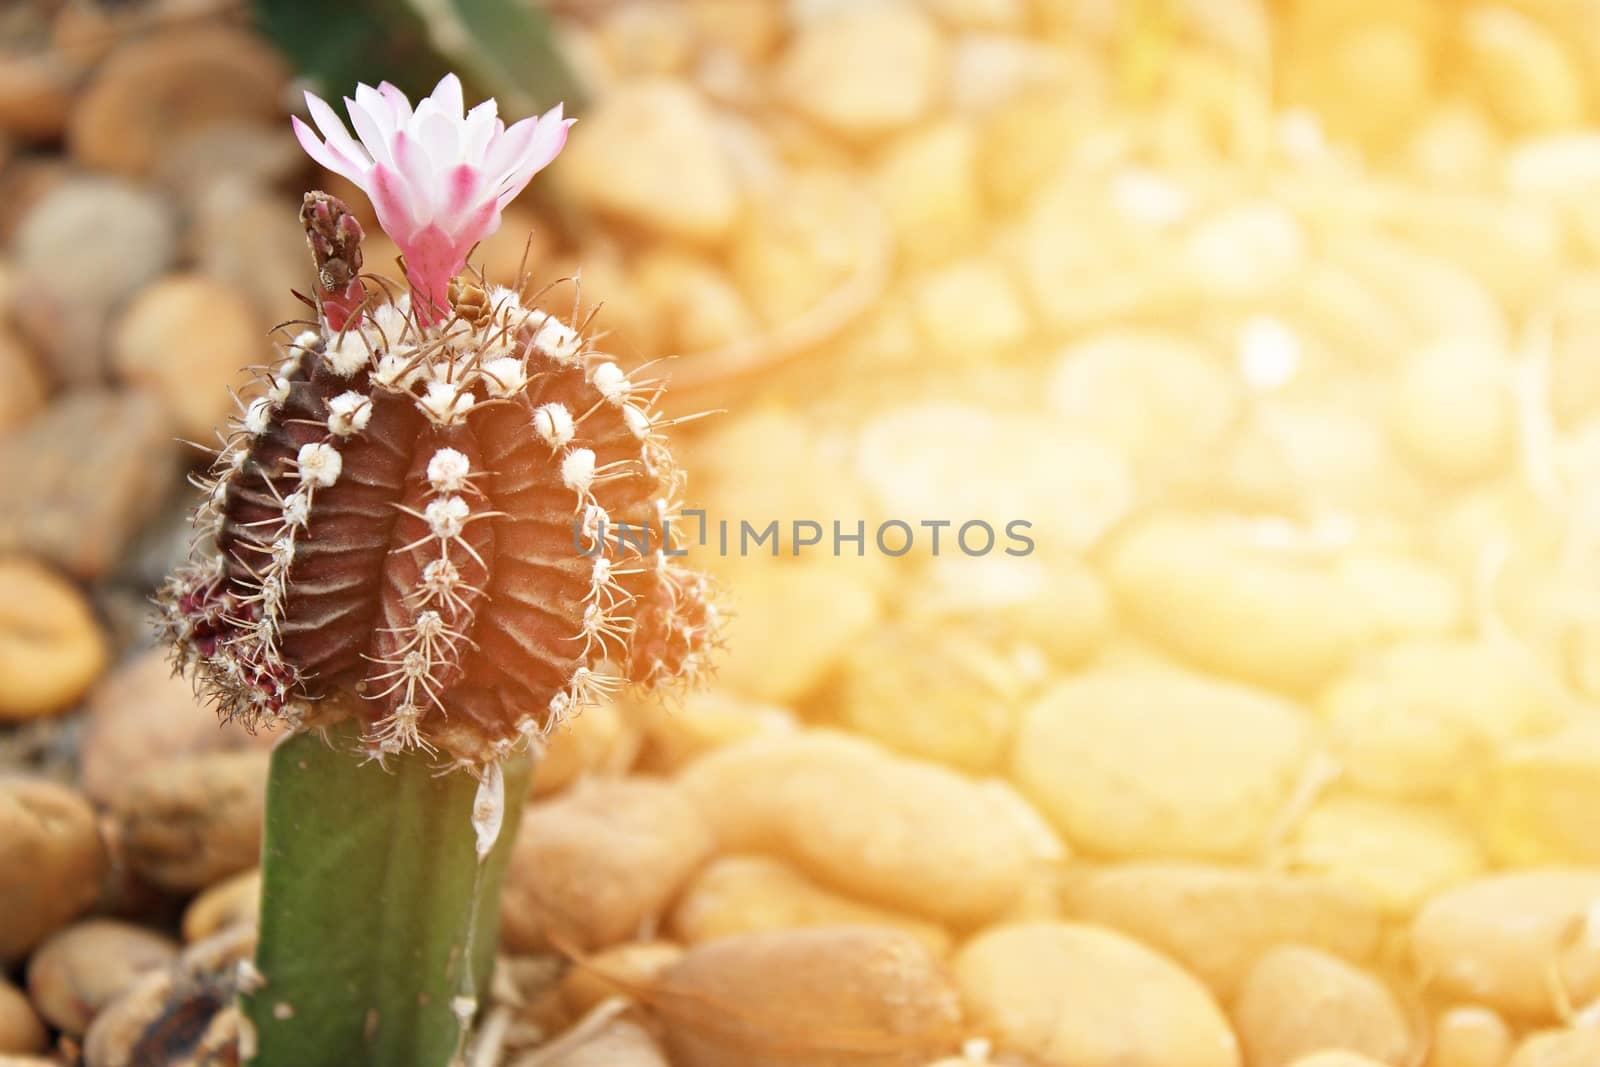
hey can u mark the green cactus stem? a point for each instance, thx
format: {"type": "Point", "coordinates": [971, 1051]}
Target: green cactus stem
{"type": "Point", "coordinates": [378, 921]}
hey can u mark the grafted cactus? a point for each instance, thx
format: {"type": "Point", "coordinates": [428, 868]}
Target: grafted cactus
{"type": "Point", "coordinates": [441, 529]}
{"type": "Point", "coordinates": [423, 510]}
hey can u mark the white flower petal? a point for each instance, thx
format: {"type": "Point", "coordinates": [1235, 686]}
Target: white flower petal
{"type": "Point", "coordinates": [447, 97]}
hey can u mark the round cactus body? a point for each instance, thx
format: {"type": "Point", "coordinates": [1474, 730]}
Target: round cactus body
{"type": "Point", "coordinates": [423, 511]}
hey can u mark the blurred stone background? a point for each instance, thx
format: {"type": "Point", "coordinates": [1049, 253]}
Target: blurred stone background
{"type": "Point", "coordinates": [1278, 321]}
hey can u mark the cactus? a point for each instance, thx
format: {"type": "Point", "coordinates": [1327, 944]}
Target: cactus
{"type": "Point", "coordinates": [405, 549]}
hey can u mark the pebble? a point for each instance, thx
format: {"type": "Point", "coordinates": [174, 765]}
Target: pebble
{"type": "Point", "coordinates": [79, 480]}
{"type": "Point", "coordinates": [864, 70]}
{"type": "Point", "coordinates": [931, 461]}
{"type": "Point", "coordinates": [250, 239]}
{"type": "Point", "coordinates": [620, 1043]}
{"type": "Point", "coordinates": [237, 151]}
{"type": "Point", "coordinates": [1060, 608]}
{"type": "Point", "coordinates": [926, 182]}
{"type": "Point", "coordinates": [1510, 940]}
{"type": "Point", "coordinates": [1408, 597]}
{"type": "Point", "coordinates": [1530, 805]}
{"type": "Point", "coordinates": [596, 865]}
{"type": "Point", "coordinates": [598, 740]}
{"type": "Point", "coordinates": [1526, 73]}
{"type": "Point", "coordinates": [51, 647]}
{"type": "Point", "coordinates": [52, 861]}
{"type": "Point", "coordinates": [1217, 921]}
{"type": "Point", "coordinates": [1158, 396]}
{"type": "Point", "coordinates": [88, 243]}
{"type": "Point", "coordinates": [142, 98]}
{"type": "Point", "coordinates": [1470, 1036]}
{"type": "Point", "coordinates": [706, 719]}
{"type": "Point", "coordinates": [1337, 1057]}
{"type": "Point", "coordinates": [896, 832]}
{"type": "Point", "coordinates": [848, 996]}
{"type": "Point", "coordinates": [26, 389]}
{"type": "Point", "coordinates": [81, 969]}
{"type": "Point", "coordinates": [1411, 719]}
{"type": "Point", "coordinates": [21, 1030]}
{"type": "Point", "coordinates": [190, 821]}
{"type": "Point", "coordinates": [1245, 252]}
{"type": "Point", "coordinates": [1229, 596]}
{"type": "Point", "coordinates": [1144, 764]}
{"type": "Point", "coordinates": [1297, 1000]}
{"type": "Point", "coordinates": [739, 894]}
{"type": "Point", "coordinates": [970, 313]}
{"type": "Point", "coordinates": [1085, 995]}
{"type": "Point", "coordinates": [1451, 410]}
{"type": "Point", "coordinates": [648, 154]}
{"type": "Point", "coordinates": [789, 626]}
{"type": "Point", "coordinates": [935, 694]}
{"type": "Point", "coordinates": [189, 339]}
{"type": "Point", "coordinates": [619, 971]}
{"type": "Point", "coordinates": [1578, 1047]}
{"type": "Point", "coordinates": [812, 240]}
{"type": "Point", "coordinates": [139, 716]}
{"type": "Point", "coordinates": [234, 901]}
{"type": "Point", "coordinates": [1400, 853]}
{"type": "Point", "coordinates": [698, 306]}
{"type": "Point", "coordinates": [184, 1015]}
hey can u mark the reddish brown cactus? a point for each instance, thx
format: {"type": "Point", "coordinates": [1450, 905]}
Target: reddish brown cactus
{"type": "Point", "coordinates": [416, 512]}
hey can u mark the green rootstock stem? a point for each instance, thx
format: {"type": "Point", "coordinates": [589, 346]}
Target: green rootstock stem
{"type": "Point", "coordinates": [368, 920]}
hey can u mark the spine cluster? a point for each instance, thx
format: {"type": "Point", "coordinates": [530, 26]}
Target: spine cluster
{"type": "Point", "coordinates": [414, 511]}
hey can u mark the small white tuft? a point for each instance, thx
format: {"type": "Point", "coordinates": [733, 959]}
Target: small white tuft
{"type": "Point", "coordinates": [440, 577]}
{"type": "Point", "coordinates": [445, 404]}
{"type": "Point", "coordinates": [391, 322]}
{"type": "Point", "coordinates": [349, 413]}
{"type": "Point", "coordinates": [279, 391]}
{"type": "Point", "coordinates": [296, 508]}
{"type": "Point", "coordinates": [448, 470]}
{"type": "Point", "coordinates": [347, 353]}
{"type": "Point", "coordinates": [395, 372]}
{"type": "Point", "coordinates": [319, 464]}
{"type": "Point", "coordinates": [637, 421]}
{"type": "Point", "coordinates": [553, 423]}
{"type": "Point", "coordinates": [610, 382]}
{"type": "Point", "coordinates": [504, 376]}
{"type": "Point", "coordinates": [557, 340]}
{"type": "Point", "coordinates": [446, 516]}
{"type": "Point", "coordinates": [577, 470]}
{"type": "Point", "coordinates": [258, 416]}
{"type": "Point", "coordinates": [306, 340]}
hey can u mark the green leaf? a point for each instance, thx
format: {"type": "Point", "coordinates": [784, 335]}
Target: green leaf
{"type": "Point", "coordinates": [507, 48]}
{"type": "Point", "coordinates": [502, 48]}
{"type": "Point", "coordinates": [372, 903]}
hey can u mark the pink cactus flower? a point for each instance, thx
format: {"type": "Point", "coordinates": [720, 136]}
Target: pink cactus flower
{"type": "Point", "coordinates": [438, 176]}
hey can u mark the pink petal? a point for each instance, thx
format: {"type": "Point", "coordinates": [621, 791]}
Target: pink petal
{"type": "Point", "coordinates": [441, 136]}
{"type": "Point", "coordinates": [378, 143]}
{"type": "Point", "coordinates": [508, 148]}
{"type": "Point", "coordinates": [548, 140]}
{"type": "Point", "coordinates": [398, 102]}
{"type": "Point", "coordinates": [480, 224]}
{"type": "Point", "coordinates": [326, 156]}
{"type": "Point", "coordinates": [482, 122]}
{"type": "Point", "coordinates": [463, 183]}
{"type": "Point", "coordinates": [333, 130]}
{"type": "Point", "coordinates": [433, 257]}
{"type": "Point", "coordinates": [420, 179]}
{"type": "Point", "coordinates": [447, 97]}
{"type": "Point", "coordinates": [391, 199]}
